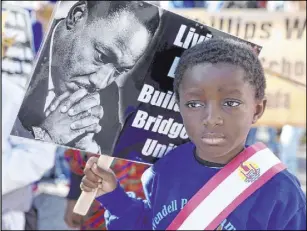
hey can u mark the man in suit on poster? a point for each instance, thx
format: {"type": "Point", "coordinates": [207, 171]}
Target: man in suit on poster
{"type": "Point", "coordinates": [86, 59]}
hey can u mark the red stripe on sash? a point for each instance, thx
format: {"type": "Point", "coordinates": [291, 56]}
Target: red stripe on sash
{"type": "Point", "coordinates": [213, 183]}
{"type": "Point", "coordinates": [245, 194]}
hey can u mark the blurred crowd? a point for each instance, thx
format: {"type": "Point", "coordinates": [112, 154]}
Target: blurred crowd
{"type": "Point", "coordinates": [40, 191]}
{"type": "Point", "coordinates": [287, 6]}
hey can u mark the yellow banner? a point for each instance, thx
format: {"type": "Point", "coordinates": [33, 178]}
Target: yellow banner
{"type": "Point", "coordinates": [286, 103]}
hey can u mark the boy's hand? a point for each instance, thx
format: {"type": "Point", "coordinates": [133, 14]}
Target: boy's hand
{"type": "Point", "coordinates": [96, 177]}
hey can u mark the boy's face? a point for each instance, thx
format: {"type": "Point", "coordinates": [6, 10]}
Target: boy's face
{"type": "Point", "coordinates": [218, 108]}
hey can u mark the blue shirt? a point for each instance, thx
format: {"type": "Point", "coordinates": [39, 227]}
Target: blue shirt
{"type": "Point", "coordinates": [280, 204]}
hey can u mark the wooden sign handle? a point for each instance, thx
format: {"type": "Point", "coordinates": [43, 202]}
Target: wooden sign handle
{"type": "Point", "coordinates": [86, 198]}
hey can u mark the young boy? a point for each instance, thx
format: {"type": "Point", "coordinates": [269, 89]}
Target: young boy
{"type": "Point", "coordinates": [220, 88]}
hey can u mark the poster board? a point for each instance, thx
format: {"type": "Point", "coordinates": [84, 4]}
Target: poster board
{"type": "Point", "coordinates": [139, 90]}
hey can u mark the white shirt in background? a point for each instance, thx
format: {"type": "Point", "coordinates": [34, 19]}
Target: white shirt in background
{"type": "Point", "coordinates": [24, 161]}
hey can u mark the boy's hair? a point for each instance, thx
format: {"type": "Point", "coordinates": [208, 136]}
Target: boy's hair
{"type": "Point", "coordinates": [219, 50]}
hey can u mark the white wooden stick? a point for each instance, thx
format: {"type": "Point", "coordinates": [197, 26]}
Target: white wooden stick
{"type": "Point", "coordinates": [86, 198]}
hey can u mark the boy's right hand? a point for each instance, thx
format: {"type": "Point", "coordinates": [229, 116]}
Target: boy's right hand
{"type": "Point", "coordinates": [96, 177]}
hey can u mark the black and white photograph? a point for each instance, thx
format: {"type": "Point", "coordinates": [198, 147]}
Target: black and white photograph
{"type": "Point", "coordinates": [103, 82]}
{"type": "Point", "coordinates": [73, 98]}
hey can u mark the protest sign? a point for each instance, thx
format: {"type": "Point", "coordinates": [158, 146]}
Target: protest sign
{"type": "Point", "coordinates": [121, 70]}
{"type": "Point", "coordinates": [17, 44]}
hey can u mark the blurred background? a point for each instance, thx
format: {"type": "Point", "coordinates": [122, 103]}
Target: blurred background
{"type": "Point", "coordinates": [278, 26]}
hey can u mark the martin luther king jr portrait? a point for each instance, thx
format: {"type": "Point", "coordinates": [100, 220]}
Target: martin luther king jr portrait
{"type": "Point", "coordinates": [73, 98]}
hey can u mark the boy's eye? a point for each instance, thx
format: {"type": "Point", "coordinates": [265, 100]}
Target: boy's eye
{"type": "Point", "coordinates": [193, 105]}
{"type": "Point", "coordinates": [231, 103]}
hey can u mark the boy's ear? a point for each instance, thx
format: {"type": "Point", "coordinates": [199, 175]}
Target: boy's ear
{"type": "Point", "coordinates": [259, 109]}
{"type": "Point", "coordinates": [75, 14]}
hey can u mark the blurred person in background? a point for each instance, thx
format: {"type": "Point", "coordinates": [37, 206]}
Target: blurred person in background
{"type": "Point", "coordinates": [23, 162]}
{"type": "Point", "coordinates": [183, 4]}
{"type": "Point", "coordinates": [214, 5]}
{"type": "Point", "coordinates": [234, 4]}
{"type": "Point", "coordinates": [275, 5]}
{"type": "Point", "coordinates": [272, 139]}
{"type": "Point", "coordinates": [251, 137]}
{"type": "Point", "coordinates": [49, 201]}
{"type": "Point", "coordinates": [290, 139]}
{"type": "Point", "coordinates": [219, 5]}
{"type": "Point", "coordinates": [242, 4]}
{"type": "Point", "coordinates": [286, 6]}
{"type": "Point", "coordinates": [265, 134]}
